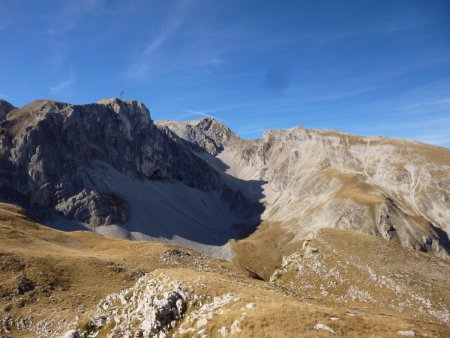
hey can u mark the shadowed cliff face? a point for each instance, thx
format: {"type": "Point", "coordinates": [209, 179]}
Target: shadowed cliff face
{"type": "Point", "coordinates": [107, 164]}
{"type": "Point", "coordinates": [383, 187]}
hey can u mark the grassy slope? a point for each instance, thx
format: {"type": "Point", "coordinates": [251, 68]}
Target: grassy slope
{"type": "Point", "coordinates": [73, 271]}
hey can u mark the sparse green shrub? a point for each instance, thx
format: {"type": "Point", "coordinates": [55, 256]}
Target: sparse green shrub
{"type": "Point", "coordinates": [89, 328]}
{"type": "Point", "coordinates": [278, 275]}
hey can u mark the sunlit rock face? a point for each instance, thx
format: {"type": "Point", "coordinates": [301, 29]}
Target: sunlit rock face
{"type": "Point", "coordinates": [389, 188]}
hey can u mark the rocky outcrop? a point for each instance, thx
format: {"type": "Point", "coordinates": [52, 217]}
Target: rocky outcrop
{"type": "Point", "coordinates": [157, 306]}
{"type": "Point", "coordinates": [95, 209]}
{"type": "Point", "coordinates": [207, 133]}
{"type": "Point", "coordinates": [149, 309]}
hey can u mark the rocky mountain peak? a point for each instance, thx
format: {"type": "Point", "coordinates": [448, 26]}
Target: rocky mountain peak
{"type": "Point", "coordinates": [130, 108]}
{"type": "Point", "coordinates": [207, 132]}
{"type": "Point", "coordinates": [213, 125]}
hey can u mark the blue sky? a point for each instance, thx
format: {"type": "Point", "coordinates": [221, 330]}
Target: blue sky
{"type": "Point", "coordinates": [365, 67]}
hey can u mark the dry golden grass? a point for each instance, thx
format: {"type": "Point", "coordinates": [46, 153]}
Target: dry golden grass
{"type": "Point", "coordinates": [80, 267]}
{"type": "Point", "coordinates": [391, 279]}
{"type": "Point", "coordinates": [26, 116]}
{"type": "Point", "coordinates": [355, 188]}
{"type": "Point", "coordinates": [73, 271]}
{"type": "Point", "coordinates": [263, 250]}
{"type": "Point", "coordinates": [408, 149]}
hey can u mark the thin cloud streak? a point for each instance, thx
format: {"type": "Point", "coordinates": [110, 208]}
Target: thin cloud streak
{"type": "Point", "coordinates": [200, 113]}
{"type": "Point", "coordinates": [167, 30]}
{"type": "Point", "coordinates": [140, 67]}
{"type": "Point", "coordinates": [61, 87]}
{"type": "Point", "coordinates": [440, 139]}
{"type": "Point", "coordinates": [70, 16]}
{"type": "Point", "coordinates": [4, 96]}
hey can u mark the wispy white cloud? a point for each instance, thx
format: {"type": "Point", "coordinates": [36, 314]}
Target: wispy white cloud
{"type": "Point", "coordinates": [430, 100]}
{"type": "Point", "coordinates": [433, 130]}
{"type": "Point", "coordinates": [421, 114]}
{"type": "Point", "coordinates": [167, 30]}
{"type": "Point", "coordinates": [64, 19]}
{"type": "Point", "coordinates": [338, 95]}
{"type": "Point", "coordinates": [202, 47]}
{"type": "Point", "coordinates": [388, 27]}
{"type": "Point", "coordinates": [69, 16]}
{"type": "Point", "coordinates": [406, 23]}
{"type": "Point", "coordinates": [423, 123]}
{"type": "Point", "coordinates": [4, 96]}
{"type": "Point", "coordinates": [64, 85]}
{"type": "Point", "coordinates": [141, 66]}
{"type": "Point", "coordinates": [440, 138]}
{"type": "Point", "coordinates": [204, 114]}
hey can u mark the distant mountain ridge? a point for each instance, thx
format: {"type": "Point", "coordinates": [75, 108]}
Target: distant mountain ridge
{"type": "Point", "coordinates": [390, 188]}
{"type": "Point", "coordinates": [109, 168]}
